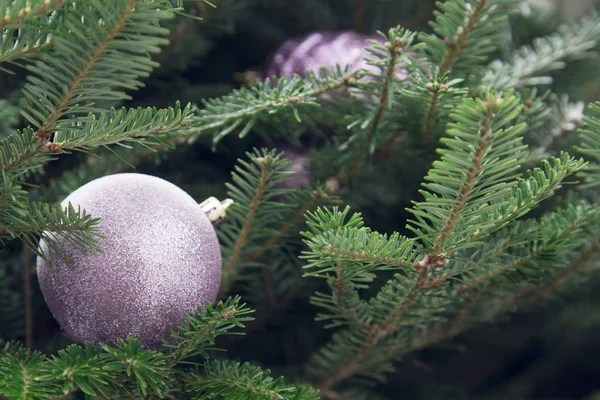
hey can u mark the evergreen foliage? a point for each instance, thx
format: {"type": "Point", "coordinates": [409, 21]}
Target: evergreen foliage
{"type": "Point", "coordinates": [506, 215]}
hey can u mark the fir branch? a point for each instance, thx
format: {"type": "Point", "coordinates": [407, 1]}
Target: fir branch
{"type": "Point", "coordinates": [118, 126]}
{"type": "Point", "coordinates": [535, 240]}
{"type": "Point", "coordinates": [298, 217]}
{"type": "Point", "coordinates": [467, 31]}
{"type": "Point", "coordinates": [434, 95]}
{"type": "Point", "coordinates": [29, 221]}
{"type": "Point", "coordinates": [231, 261]}
{"type": "Point", "coordinates": [18, 11]}
{"type": "Point", "coordinates": [266, 163]}
{"type": "Point", "coordinates": [590, 144]}
{"type": "Point", "coordinates": [461, 40]}
{"type": "Point", "coordinates": [229, 379]}
{"type": "Point", "coordinates": [245, 108]}
{"type": "Point", "coordinates": [530, 65]}
{"type": "Point", "coordinates": [82, 68]}
{"type": "Point", "coordinates": [537, 250]}
{"type": "Point", "coordinates": [23, 44]}
{"type": "Point", "coordinates": [536, 186]}
{"type": "Point", "coordinates": [332, 239]}
{"type": "Point", "coordinates": [483, 153]}
{"type": "Point", "coordinates": [252, 216]}
{"type": "Point", "coordinates": [149, 369]}
{"type": "Point", "coordinates": [20, 370]}
{"type": "Point", "coordinates": [361, 253]}
{"type": "Point", "coordinates": [197, 332]}
{"type": "Point", "coordinates": [476, 165]}
{"type": "Point", "coordinates": [376, 334]}
{"type": "Point", "coordinates": [429, 118]}
{"type": "Point", "coordinates": [559, 279]}
{"type": "Point", "coordinates": [398, 41]}
{"type": "Point", "coordinates": [59, 108]}
{"type": "Point", "coordinates": [22, 152]}
{"type": "Point", "coordinates": [82, 367]}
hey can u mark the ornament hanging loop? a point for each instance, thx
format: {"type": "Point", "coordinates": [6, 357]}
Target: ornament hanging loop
{"type": "Point", "coordinates": [215, 210]}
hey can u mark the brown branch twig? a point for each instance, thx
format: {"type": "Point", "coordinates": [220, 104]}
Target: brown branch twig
{"type": "Point", "coordinates": [430, 116]}
{"type": "Point", "coordinates": [456, 44]}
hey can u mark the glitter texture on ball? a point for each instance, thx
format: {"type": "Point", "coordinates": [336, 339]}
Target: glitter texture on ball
{"type": "Point", "coordinates": [161, 261]}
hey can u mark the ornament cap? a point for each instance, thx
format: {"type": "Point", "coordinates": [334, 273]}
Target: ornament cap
{"type": "Point", "coordinates": [215, 209]}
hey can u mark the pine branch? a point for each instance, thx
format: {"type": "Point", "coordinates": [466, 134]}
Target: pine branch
{"type": "Point", "coordinates": [398, 42]}
{"type": "Point", "coordinates": [118, 126]}
{"type": "Point", "coordinates": [233, 380]}
{"type": "Point", "coordinates": [482, 155]}
{"type": "Point", "coordinates": [434, 95]}
{"type": "Point", "coordinates": [17, 11]}
{"type": "Point", "coordinates": [590, 144]}
{"type": "Point", "coordinates": [198, 332]}
{"type": "Point", "coordinates": [25, 43]}
{"type": "Point", "coordinates": [419, 295]}
{"type": "Point", "coordinates": [29, 221]}
{"type": "Point", "coordinates": [23, 151]}
{"type": "Point", "coordinates": [20, 371]}
{"type": "Point", "coordinates": [251, 216]}
{"type": "Point", "coordinates": [245, 108]}
{"type": "Point", "coordinates": [465, 32]}
{"type": "Point", "coordinates": [83, 68]}
{"type": "Point", "coordinates": [530, 65]}
{"type": "Point", "coordinates": [308, 201]}
{"type": "Point", "coordinates": [347, 255]}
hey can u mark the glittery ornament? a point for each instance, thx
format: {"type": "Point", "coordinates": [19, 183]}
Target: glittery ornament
{"type": "Point", "coordinates": [161, 261]}
{"type": "Point", "coordinates": [324, 49]}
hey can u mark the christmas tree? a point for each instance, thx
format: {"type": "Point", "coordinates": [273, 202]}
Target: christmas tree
{"type": "Point", "coordinates": [414, 191]}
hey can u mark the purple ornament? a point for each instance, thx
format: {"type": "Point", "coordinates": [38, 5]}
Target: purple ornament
{"type": "Point", "coordinates": [299, 164]}
{"type": "Point", "coordinates": [324, 49]}
{"type": "Point", "coordinates": [161, 261]}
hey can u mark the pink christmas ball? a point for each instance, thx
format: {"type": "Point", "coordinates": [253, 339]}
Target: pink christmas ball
{"type": "Point", "coordinates": [161, 261]}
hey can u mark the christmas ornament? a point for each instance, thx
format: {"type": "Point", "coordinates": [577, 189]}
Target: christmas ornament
{"type": "Point", "coordinates": [299, 164]}
{"type": "Point", "coordinates": [161, 261]}
{"type": "Point", "coordinates": [324, 49]}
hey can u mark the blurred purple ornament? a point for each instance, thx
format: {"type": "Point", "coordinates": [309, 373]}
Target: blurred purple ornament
{"type": "Point", "coordinates": [299, 164]}
{"type": "Point", "coordinates": [161, 261]}
{"type": "Point", "coordinates": [311, 52]}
